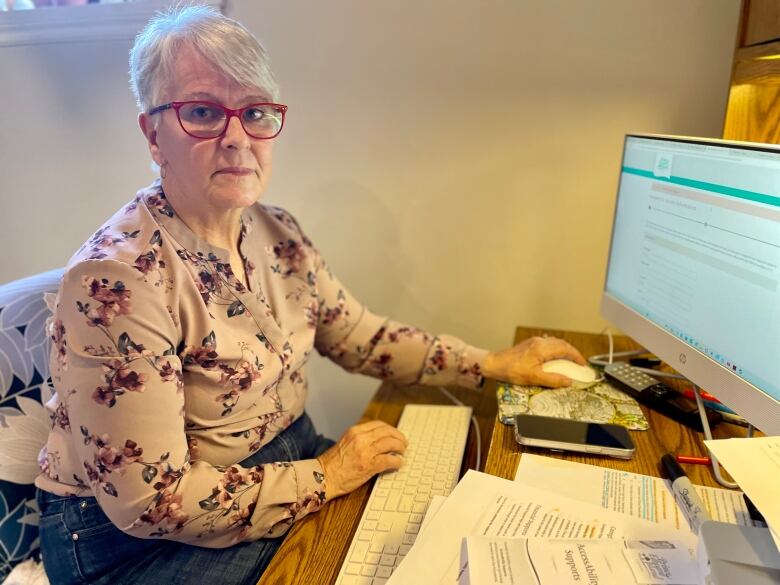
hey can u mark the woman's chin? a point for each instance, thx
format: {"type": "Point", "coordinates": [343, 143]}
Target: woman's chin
{"type": "Point", "coordinates": [236, 198]}
{"type": "Point", "coordinates": [234, 194]}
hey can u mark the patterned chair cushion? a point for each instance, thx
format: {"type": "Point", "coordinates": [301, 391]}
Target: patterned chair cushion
{"type": "Point", "coordinates": [24, 424]}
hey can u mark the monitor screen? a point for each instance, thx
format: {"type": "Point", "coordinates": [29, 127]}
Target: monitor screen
{"type": "Point", "coordinates": [694, 265]}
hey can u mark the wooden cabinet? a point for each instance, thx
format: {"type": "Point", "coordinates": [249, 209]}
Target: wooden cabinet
{"type": "Point", "coordinates": [753, 111]}
{"type": "Point", "coordinates": [761, 23]}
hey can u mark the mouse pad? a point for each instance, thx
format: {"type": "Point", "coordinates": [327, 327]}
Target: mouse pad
{"type": "Point", "coordinates": [591, 402]}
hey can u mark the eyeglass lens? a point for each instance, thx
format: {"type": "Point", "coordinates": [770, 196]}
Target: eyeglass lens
{"type": "Point", "coordinates": [209, 120]}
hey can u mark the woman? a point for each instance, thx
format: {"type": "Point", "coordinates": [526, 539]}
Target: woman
{"type": "Point", "coordinates": [180, 335]}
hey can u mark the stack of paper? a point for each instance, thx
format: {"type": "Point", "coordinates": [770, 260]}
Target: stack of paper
{"type": "Point", "coordinates": [514, 530]}
{"type": "Point", "coordinates": [640, 496]}
{"type": "Point", "coordinates": [488, 506]}
{"type": "Point", "coordinates": [499, 561]}
{"type": "Point", "coordinates": [755, 465]}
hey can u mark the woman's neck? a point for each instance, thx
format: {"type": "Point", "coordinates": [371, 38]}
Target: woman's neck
{"type": "Point", "coordinates": [219, 227]}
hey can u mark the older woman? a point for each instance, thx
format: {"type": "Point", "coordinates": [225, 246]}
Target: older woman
{"type": "Point", "coordinates": [180, 336]}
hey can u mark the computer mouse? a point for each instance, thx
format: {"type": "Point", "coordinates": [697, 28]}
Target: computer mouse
{"type": "Point", "coordinates": [571, 369]}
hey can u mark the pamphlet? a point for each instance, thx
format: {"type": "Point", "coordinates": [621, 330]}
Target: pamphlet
{"type": "Point", "coordinates": [641, 496]}
{"type": "Point", "coordinates": [533, 561]}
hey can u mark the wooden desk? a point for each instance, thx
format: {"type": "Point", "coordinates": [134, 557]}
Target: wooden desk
{"type": "Point", "coordinates": [664, 436]}
{"type": "Point", "coordinates": [315, 548]}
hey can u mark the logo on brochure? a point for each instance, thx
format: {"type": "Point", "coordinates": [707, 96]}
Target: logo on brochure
{"type": "Point", "coordinates": [683, 358]}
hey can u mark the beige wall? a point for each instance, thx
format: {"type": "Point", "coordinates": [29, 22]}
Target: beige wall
{"type": "Point", "coordinates": [456, 162]}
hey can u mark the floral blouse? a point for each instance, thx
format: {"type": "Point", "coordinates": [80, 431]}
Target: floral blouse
{"type": "Point", "coordinates": [169, 371]}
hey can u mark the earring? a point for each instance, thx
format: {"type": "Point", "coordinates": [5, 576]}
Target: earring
{"type": "Point", "coordinates": [163, 172]}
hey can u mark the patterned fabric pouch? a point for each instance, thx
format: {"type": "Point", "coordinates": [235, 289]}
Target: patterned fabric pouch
{"type": "Point", "coordinates": [591, 402]}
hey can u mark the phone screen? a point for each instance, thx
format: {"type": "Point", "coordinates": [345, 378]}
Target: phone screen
{"type": "Point", "coordinates": [573, 431]}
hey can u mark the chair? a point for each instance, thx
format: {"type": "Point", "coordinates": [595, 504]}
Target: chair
{"type": "Point", "coordinates": [24, 423]}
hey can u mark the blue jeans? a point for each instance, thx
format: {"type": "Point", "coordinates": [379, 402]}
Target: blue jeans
{"type": "Point", "coordinates": [79, 544]}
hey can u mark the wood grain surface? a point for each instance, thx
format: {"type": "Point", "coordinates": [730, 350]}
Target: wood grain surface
{"type": "Point", "coordinates": [753, 112]}
{"type": "Point", "coordinates": [664, 436]}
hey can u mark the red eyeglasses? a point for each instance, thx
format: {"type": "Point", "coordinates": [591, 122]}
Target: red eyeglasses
{"type": "Point", "coordinates": [210, 120]}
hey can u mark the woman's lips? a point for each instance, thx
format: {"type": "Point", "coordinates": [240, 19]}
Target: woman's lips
{"type": "Point", "coordinates": [240, 171]}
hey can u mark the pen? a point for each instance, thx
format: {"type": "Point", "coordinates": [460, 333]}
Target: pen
{"type": "Point", "coordinates": [705, 395]}
{"type": "Point", "coordinates": [684, 493]}
{"type": "Point", "coordinates": [693, 459]}
{"type": "Point", "coordinates": [708, 401]}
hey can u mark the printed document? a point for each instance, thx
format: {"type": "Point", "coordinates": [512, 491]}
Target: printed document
{"type": "Point", "coordinates": [484, 505]}
{"type": "Point", "coordinates": [754, 464]}
{"type": "Point", "coordinates": [522, 561]}
{"type": "Point", "coordinates": [641, 496]}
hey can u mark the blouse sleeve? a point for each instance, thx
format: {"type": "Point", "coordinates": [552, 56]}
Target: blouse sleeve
{"type": "Point", "coordinates": [122, 383]}
{"type": "Point", "coordinates": [360, 341]}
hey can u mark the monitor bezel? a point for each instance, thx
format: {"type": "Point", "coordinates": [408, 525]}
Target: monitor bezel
{"type": "Point", "coordinates": [749, 401]}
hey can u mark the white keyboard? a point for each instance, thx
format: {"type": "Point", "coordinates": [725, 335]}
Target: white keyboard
{"type": "Point", "coordinates": [399, 499]}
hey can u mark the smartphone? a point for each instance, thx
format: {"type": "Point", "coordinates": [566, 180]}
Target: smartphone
{"type": "Point", "coordinates": [573, 435]}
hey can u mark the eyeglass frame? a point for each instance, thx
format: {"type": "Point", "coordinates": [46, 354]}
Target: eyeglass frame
{"type": "Point", "coordinates": [177, 105]}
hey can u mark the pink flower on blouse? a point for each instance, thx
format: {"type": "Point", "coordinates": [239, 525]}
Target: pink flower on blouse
{"type": "Point", "coordinates": [167, 508]}
{"type": "Point", "coordinates": [113, 301]}
{"type": "Point", "coordinates": [111, 459]}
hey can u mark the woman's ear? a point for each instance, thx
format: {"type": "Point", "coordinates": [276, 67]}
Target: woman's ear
{"type": "Point", "coordinates": [147, 126]}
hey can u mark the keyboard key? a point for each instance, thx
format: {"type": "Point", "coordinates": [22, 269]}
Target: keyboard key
{"type": "Point", "coordinates": [354, 580]}
{"type": "Point", "coordinates": [353, 568]}
{"type": "Point", "coordinates": [368, 571]}
{"type": "Point", "coordinates": [372, 559]}
{"type": "Point", "coordinates": [359, 552]}
{"type": "Point", "coordinates": [384, 572]}
{"type": "Point", "coordinates": [392, 501]}
{"type": "Point", "coordinates": [387, 560]}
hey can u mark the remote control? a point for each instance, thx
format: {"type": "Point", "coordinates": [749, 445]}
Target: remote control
{"type": "Point", "coordinates": [648, 391]}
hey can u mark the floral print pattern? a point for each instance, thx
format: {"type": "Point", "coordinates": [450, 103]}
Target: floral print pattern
{"type": "Point", "coordinates": [168, 370]}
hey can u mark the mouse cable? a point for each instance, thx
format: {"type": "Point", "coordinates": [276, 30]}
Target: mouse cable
{"type": "Point", "coordinates": [606, 359]}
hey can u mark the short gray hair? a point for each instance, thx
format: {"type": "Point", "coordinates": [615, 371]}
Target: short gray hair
{"type": "Point", "coordinates": [221, 40]}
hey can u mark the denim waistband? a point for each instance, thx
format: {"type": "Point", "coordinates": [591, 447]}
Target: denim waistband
{"type": "Point", "coordinates": [50, 503]}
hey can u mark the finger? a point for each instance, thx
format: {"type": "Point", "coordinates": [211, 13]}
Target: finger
{"type": "Point", "coordinates": [371, 425]}
{"type": "Point", "coordinates": [388, 445]}
{"type": "Point", "coordinates": [378, 433]}
{"type": "Point", "coordinates": [554, 348]}
{"type": "Point", "coordinates": [387, 461]}
{"type": "Point", "coordinates": [552, 380]}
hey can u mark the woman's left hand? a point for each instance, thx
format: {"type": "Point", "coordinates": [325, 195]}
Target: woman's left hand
{"type": "Point", "coordinates": [522, 363]}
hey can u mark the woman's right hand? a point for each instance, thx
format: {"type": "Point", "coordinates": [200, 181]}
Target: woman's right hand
{"type": "Point", "coordinates": [365, 450]}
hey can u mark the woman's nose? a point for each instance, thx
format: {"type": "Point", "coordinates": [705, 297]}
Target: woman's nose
{"type": "Point", "coordinates": [235, 136]}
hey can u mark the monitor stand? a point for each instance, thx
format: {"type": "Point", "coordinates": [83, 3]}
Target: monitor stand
{"type": "Point", "coordinates": [708, 435]}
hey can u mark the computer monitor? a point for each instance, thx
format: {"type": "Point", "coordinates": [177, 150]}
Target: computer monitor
{"type": "Point", "coordinates": [694, 265]}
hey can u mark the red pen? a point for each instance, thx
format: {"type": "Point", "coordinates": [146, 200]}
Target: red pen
{"type": "Point", "coordinates": [693, 459]}
{"type": "Point", "coordinates": [688, 393]}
